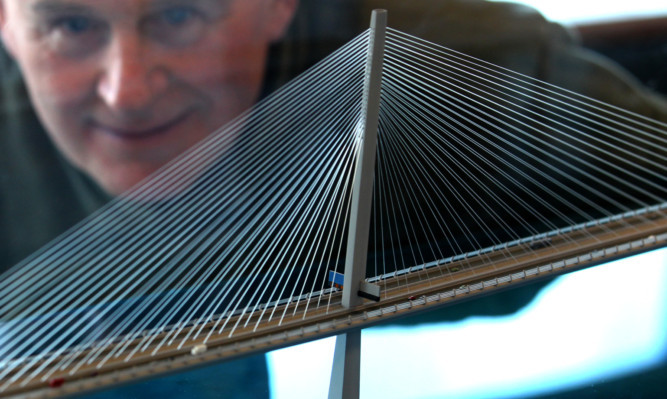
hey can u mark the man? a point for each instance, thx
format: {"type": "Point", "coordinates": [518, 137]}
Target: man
{"type": "Point", "coordinates": [120, 87]}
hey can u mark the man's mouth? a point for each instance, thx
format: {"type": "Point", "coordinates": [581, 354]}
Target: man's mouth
{"type": "Point", "coordinates": [137, 132]}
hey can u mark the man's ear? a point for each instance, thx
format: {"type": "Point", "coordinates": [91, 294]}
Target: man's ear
{"type": "Point", "coordinates": [5, 33]}
{"type": "Point", "coordinates": [280, 16]}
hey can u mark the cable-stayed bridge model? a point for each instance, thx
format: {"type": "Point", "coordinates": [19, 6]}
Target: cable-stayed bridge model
{"type": "Point", "coordinates": [481, 179]}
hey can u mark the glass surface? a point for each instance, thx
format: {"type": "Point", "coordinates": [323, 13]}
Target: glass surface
{"type": "Point", "coordinates": [593, 333]}
{"type": "Point", "coordinates": [596, 331]}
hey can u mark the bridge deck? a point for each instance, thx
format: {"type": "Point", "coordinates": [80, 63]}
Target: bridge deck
{"type": "Point", "coordinates": [424, 289]}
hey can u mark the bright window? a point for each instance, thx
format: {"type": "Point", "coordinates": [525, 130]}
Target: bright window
{"type": "Point", "coordinates": [577, 11]}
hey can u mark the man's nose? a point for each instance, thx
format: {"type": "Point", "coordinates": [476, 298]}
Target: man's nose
{"type": "Point", "coordinates": [132, 76]}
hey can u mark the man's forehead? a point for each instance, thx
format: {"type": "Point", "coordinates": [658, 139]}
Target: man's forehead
{"type": "Point", "coordinates": [41, 6]}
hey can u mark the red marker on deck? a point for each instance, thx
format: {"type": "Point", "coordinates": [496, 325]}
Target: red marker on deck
{"type": "Point", "coordinates": [56, 382]}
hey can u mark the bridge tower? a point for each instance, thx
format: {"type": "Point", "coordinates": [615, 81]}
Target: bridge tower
{"type": "Point", "coordinates": [345, 371]}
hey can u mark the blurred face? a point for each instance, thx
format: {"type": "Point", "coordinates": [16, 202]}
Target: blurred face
{"type": "Point", "coordinates": [124, 86]}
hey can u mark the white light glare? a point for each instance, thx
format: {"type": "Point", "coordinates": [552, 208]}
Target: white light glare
{"type": "Point", "coordinates": [577, 11]}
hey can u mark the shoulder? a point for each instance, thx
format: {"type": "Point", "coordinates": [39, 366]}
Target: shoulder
{"type": "Point", "coordinates": [519, 38]}
{"type": "Point", "coordinates": [493, 31]}
{"type": "Point", "coordinates": [507, 34]}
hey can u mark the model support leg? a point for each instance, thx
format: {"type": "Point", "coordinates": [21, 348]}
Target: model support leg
{"type": "Point", "coordinates": [346, 366]}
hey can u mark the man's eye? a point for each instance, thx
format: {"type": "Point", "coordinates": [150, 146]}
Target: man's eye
{"type": "Point", "coordinates": [76, 35]}
{"type": "Point", "coordinates": [176, 26]}
{"type": "Point", "coordinates": [177, 15]}
{"type": "Point", "coordinates": [74, 25]}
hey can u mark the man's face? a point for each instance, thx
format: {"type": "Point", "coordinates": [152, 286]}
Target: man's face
{"type": "Point", "coordinates": [123, 86]}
